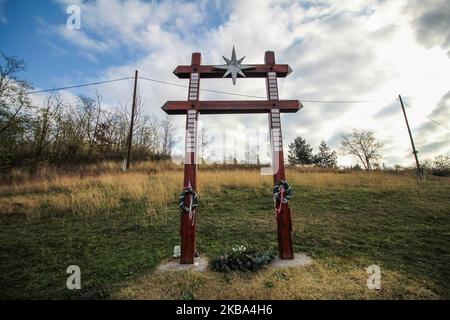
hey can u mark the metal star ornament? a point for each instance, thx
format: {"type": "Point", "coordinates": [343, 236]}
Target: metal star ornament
{"type": "Point", "coordinates": [234, 67]}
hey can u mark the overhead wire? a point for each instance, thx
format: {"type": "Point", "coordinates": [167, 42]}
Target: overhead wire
{"type": "Point", "coordinates": [251, 96]}
{"type": "Point", "coordinates": [79, 85]}
{"type": "Point", "coordinates": [346, 101]}
{"type": "Point", "coordinates": [429, 118]}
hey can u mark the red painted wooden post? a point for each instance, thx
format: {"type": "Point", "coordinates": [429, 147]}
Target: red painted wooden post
{"type": "Point", "coordinates": [284, 223]}
{"type": "Point", "coordinates": [188, 223]}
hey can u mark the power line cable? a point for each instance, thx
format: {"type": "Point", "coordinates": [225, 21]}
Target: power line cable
{"type": "Point", "coordinates": [78, 85]}
{"type": "Point", "coordinates": [164, 82]}
{"type": "Point", "coordinates": [215, 91]}
{"type": "Point", "coordinates": [252, 96]}
{"type": "Point", "coordinates": [185, 86]}
{"type": "Point", "coordinates": [431, 119]}
{"type": "Point", "coordinates": [201, 89]}
{"type": "Point", "coordinates": [260, 97]}
{"type": "Point", "coordinates": [336, 101]}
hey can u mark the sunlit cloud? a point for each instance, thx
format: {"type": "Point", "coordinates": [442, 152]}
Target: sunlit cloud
{"type": "Point", "coordinates": [346, 50]}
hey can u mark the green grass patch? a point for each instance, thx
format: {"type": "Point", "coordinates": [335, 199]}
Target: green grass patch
{"type": "Point", "coordinates": [406, 232]}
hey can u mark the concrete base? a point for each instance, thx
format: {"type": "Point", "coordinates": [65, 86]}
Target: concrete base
{"type": "Point", "coordinates": [300, 260]}
{"type": "Point", "coordinates": [200, 265]}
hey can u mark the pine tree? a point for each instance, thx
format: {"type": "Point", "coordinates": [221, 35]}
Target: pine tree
{"type": "Point", "coordinates": [300, 152]}
{"type": "Point", "coordinates": [325, 158]}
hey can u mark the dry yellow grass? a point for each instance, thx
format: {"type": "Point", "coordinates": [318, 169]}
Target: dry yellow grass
{"type": "Point", "coordinates": [91, 194]}
{"type": "Point", "coordinates": [350, 179]}
{"type": "Point", "coordinates": [102, 187]}
{"type": "Point", "coordinates": [349, 229]}
{"type": "Point", "coordinates": [313, 282]}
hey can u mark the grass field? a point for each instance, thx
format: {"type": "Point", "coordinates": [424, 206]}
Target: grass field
{"type": "Point", "coordinates": [118, 227]}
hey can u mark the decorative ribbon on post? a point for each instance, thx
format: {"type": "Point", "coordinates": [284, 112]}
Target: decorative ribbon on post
{"type": "Point", "coordinates": [282, 192]}
{"type": "Point", "coordinates": [193, 203]}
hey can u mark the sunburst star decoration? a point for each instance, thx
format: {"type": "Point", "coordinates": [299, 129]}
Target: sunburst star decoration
{"type": "Point", "coordinates": [234, 67]}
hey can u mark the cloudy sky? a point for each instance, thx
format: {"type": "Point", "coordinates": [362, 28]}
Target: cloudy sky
{"type": "Point", "coordinates": [338, 50]}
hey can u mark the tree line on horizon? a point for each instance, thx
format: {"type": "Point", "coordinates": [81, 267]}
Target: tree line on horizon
{"type": "Point", "coordinates": [60, 132]}
{"type": "Point", "coordinates": [361, 144]}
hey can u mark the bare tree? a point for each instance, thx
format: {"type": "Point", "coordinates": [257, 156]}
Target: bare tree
{"type": "Point", "coordinates": [47, 124]}
{"type": "Point", "coordinates": [96, 120]}
{"type": "Point", "coordinates": [251, 153]}
{"type": "Point", "coordinates": [60, 131]}
{"type": "Point", "coordinates": [138, 114]}
{"type": "Point", "coordinates": [168, 133]}
{"type": "Point", "coordinates": [204, 142]}
{"type": "Point", "coordinates": [363, 145]}
{"type": "Point", "coordinates": [13, 92]}
{"type": "Point", "coordinates": [154, 134]}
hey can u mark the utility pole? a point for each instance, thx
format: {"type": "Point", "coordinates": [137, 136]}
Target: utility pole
{"type": "Point", "coordinates": [419, 171]}
{"type": "Point", "coordinates": [130, 136]}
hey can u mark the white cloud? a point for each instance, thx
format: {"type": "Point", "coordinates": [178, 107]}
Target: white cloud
{"type": "Point", "coordinates": [431, 22]}
{"type": "Point", "coordinates": [338, 50]}
{"type": "Point", "coordinates": [82, 40]}
{"type": "Point", "coordinates": [3, 19]}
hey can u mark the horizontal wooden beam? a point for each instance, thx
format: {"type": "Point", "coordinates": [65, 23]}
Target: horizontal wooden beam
{"type": "Point", "coordinates": [209, 71]}
{"type": "Point", "coordinates": [231, 107]}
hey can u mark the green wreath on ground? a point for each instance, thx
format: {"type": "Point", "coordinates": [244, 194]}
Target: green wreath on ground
{"type": "Point", "coordinates": [278, 191]}
{"type": "Point", "coordinates": [183, 194]}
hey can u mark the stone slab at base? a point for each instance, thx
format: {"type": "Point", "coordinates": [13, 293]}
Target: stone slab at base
{"type": "Point", "coordinates": [300, 260]}
{"type": "Point", "coordinates": [200, 265]}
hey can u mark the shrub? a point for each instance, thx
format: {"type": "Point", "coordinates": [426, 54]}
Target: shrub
{"type": "Point", "coordinates": [441, 166]}
{"type": "Point", "coordinates": [243, 259]}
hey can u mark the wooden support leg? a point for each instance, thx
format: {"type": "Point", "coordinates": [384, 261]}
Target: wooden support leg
{"type": "Point", "coordinates": [284, 223]}
{"type": "Point", "coordinates": [190, 180]}
{"type": "Point", "coordinates": [188, 222]}
{"type": "Point", "coordinates": [187, 239]}
{"type": "Point", "coordinates": [284, 226]}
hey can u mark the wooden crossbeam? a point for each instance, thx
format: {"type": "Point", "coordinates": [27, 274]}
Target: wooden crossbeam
{"type": "Point", "coordinates": [209, 71]}
{"type": "Point", "coordinates": [231, 107]}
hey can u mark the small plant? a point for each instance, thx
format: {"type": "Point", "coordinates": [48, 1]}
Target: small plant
{"type": "Point", "coordinates": [242, 258]}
